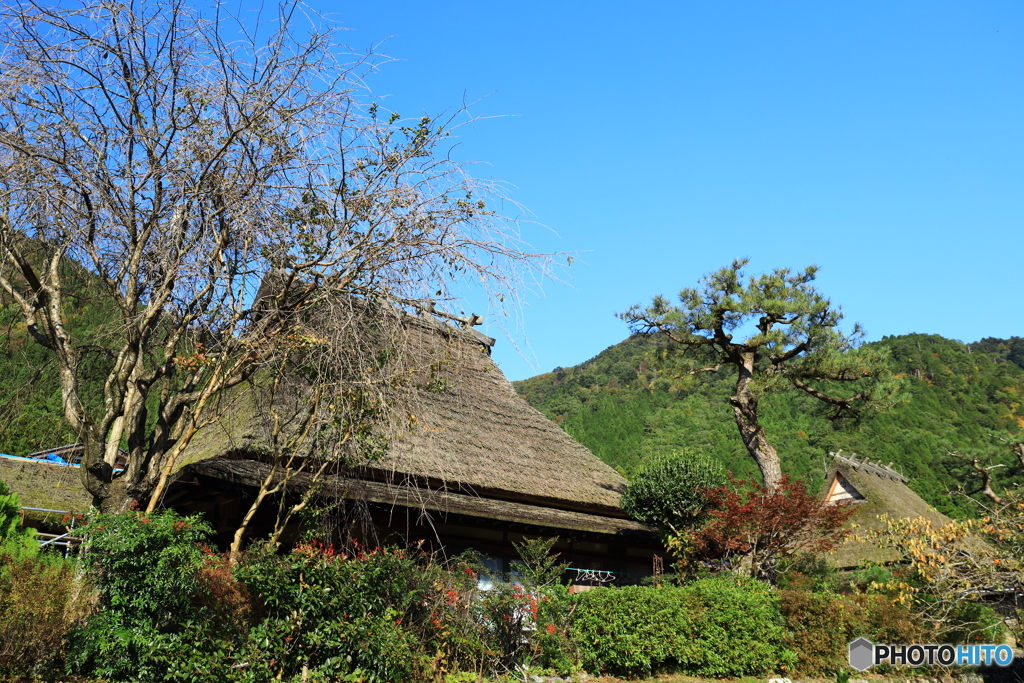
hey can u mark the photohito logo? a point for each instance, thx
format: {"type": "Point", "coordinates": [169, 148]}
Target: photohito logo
{"type": "Point", "coordinates": [864, 654]}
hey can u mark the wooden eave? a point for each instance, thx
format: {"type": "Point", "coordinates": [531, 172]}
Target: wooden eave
{"type": "Point", "coordinates": [440, 500]}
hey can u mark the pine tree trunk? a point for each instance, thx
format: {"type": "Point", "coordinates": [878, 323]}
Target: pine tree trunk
{"type": "Point", "coordinates": [744, 407]}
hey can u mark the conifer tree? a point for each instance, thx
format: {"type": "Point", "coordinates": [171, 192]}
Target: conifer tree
{"type": "Point", "coordinates": [777, 332]}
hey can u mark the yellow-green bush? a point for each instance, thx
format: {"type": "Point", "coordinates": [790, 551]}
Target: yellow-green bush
{"type": "Point", "coordinates": [821, 626]}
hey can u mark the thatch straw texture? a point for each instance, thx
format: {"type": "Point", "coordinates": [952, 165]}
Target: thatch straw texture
{"type": "Point", "coordinates": [463, 428]}
{"type": "Point", "coordinates": [885, 493]}
{"type": "Point", "coordinates": [40, 484]}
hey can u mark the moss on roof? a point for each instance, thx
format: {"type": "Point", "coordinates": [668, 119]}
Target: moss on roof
{"type": "Point", "coordinates": [40, 484]}
{"type": "Point", "coordinates": [885, 492]}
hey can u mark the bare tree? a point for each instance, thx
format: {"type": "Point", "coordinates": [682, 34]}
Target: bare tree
{"type": "Point", "coordinates": [335, 396]}
{"type": "Point", "coordinates": [219, 186]}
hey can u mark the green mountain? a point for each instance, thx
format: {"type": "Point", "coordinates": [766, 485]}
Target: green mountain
{"type": "Point", "coordinates": [31, 413]}
{"type": "Point", "coordinates": [1011, 349]}
{"type": "Point", "coordinates": [961, 399]}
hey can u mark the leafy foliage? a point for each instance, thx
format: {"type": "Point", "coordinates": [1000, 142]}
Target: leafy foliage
{"type": "Point", "coordinates": [1011, 349]}
{"type": "Point", "coordinates": [742, 632]}
{"type": "Point", "coordinates": [719, 627]}
{"type": "Point", "coordinates": [669, 489]}
{"type": "Point", "coordinates": [821, 626]}
{"type": "Point", "coordinates": [315, 613]}
{"type": "Point", "coordinates": [327, 612]}
{"type": "Point", "coordinates": [547, 604]}
{"type": "Point", "coordinates": [745, 518]}
{"type": "Point", "coordinates": [14, 540]}
{"type": "Point", "coordinates": [635, 630]}
{"type": "Point", "coordinates": [947, 570]}
{"type": "Point", "coordinates": [146, 568]}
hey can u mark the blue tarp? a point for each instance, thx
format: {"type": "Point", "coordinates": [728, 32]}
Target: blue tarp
{"type": "Point", "coordinates": [47, 459]}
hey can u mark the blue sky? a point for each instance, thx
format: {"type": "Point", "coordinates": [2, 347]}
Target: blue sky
{"type": "Point", "coordinates": [657, 141]}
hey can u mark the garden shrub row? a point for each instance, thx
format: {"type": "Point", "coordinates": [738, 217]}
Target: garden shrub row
{"type": "Point", "coordinates": [155, 603]}
{"type": "Point", "coordinates": [821, 626]}
{"type": "Point", "coordinates": [722, 626]}
{"type": "Point", "coordinates": [149, 601]}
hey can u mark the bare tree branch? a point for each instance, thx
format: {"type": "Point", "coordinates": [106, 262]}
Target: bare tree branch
{"type": "Point", "coordinates": [178, 169]}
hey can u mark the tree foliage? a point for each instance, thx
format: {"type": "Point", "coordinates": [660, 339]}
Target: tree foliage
{"type": "Point", "coordinates": [669, 490]}
{"type": "Point", "coordinates": [947, 570]}
{"type": "Point", "coordinates": [14, 540]}
{"type": "Point", "coordinates": [791, 338]}
{"type": "Point", "coordinates": [1011, 349]}
{"type": "Point", "coordinates": [748, 519]}
{"type": "Point", "coordinates": [223, 185]}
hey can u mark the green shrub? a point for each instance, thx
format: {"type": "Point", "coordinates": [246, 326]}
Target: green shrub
{"type": "Point", "coordinates": [554, 649]}
{"type": "Point", "coordinates": [329, 614]}
{"type": "Point", "coordinates": [453, 635]}
{"type": "Point", "coordinates": [821, 626]}
{"type": "Point", "coordinates": [635, 630]}
{"type": "Point", "coordinates": [668, 489]}
{"type": "Point", "coordinates": [146, 569]}
{"type": "Point", "coordinates": [507, 612]}
{"type": "Point", "coordinates": [14, 541]}
{"type": "Point", "coordinates": [548, 605]}
{"type": "Point", "coordinates": [889, 621]}
{"type": "Point", "coordinates": [742, 632]}
{"type": "Point", "coordinates": [719, 627]}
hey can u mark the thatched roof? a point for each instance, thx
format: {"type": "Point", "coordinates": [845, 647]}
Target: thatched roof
{"type": "Point", "coordinates": [40, 484]}
{"type": "Point", "coordinates": [877, 490]}
{"type": "Point", "coordinates": [469, 437]}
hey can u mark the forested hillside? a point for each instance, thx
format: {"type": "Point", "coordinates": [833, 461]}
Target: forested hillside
{"type": "Point", "coordinates": [1011, 349]}
{"type": "Point", "coordinates": [31, 416]}
{"type": "Point", "coordinates": [625, 404]}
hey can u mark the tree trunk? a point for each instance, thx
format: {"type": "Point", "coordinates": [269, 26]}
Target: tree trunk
{"type": "Point", "coordinates": [111, 492]}
{"type": "Point", "coordinates": [744, 408]}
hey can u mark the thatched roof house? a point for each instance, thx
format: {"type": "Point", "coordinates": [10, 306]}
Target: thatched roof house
{"type": "Point", "coordinates": [475, 466]}
{"type": "Point", "coordinates": [876, 490]}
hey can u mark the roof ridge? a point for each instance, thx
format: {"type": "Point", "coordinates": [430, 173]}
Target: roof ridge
{"type": "Point", "coordinates": [876, 468]}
